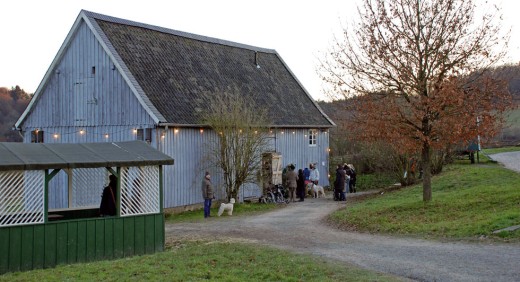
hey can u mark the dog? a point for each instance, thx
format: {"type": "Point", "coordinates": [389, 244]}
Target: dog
{"type": "Point", "coordinates": [315, 190]}
{"type": "Point", "coordinates": [318, 190]}
{"type": "Point", "coordinates": [226, 207]}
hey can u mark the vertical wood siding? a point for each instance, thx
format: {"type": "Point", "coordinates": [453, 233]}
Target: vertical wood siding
{"type": "Point", "coordinates": [75, 96]}
{"type": "Point", "coordinates": [294, 146]}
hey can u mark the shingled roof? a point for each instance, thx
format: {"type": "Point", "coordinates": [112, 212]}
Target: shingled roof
{"type": "Point", "coordinates": [178, 72]}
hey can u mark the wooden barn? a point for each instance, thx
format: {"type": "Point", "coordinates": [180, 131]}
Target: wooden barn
{"type": "Point", "coordinates": [117, 80]}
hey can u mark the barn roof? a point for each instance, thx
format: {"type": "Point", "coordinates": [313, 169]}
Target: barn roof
{"type": "Point", "coordinates": [174, 74]}
{"type": "Point", "coordinates": [37, 156]}
{"type": "Point", "coordinates": [179, 72]}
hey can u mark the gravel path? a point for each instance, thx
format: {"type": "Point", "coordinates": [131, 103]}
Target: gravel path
{"type": "Point", "coordinates": [300, 228]}
{"type": "Point", "coordinates": [510, 160]}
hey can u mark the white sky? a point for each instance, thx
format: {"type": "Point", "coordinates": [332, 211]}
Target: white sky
{"type": "Point", "coordinates": [32, 31]}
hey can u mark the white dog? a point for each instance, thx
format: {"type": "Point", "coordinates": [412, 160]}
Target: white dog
{"type": "Point", "coordinates": [226, 207]}
{"type": "Point", "coordinates": [315, 190]}
{"type": "Point", "coordinates": [318, 190]}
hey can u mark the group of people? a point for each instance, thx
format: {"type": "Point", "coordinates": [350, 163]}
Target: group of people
{"type": "Point", "coordinates": [296, 182]}
{"type": "Point", "coordinates": [345, 181]}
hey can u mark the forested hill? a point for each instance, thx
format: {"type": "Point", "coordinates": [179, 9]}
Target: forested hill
{"type": "Point", "coordinates": [12, 104]}
{"type": "Point", "coordinates": [338, 110]}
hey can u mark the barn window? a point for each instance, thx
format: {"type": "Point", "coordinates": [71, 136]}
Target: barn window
{"type": "Point", "coordinates": [313, 137]}
{"type": "Point", "coordinates": [144, 134]}
{"type": "Point", "coordinates": [37, 136]}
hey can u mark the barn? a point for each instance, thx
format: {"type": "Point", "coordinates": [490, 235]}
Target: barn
{"type": "Point", "coordinates": [116, 80]}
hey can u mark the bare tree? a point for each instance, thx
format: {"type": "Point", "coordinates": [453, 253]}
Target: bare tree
{"type": "Point", "coordinates": [241, 131]}
{"type": "Point", "coordinates": [420, 67]}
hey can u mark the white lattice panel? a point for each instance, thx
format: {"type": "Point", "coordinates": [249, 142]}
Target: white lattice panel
{"type": "Point", "coordinates": [140, 190]}
{"type": "Point", "coordinates": [87, 186]}
{"type": "Point", "coordinates": [21, 197]}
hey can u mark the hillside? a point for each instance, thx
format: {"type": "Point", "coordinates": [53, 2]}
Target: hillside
{"type": "Point", "coordinates": [12, 104]}
{"type": "Point", "coordinates": [510, 135]}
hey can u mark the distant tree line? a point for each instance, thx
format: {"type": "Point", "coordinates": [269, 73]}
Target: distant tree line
{"type": "Point", "coordinates": [12, 104]}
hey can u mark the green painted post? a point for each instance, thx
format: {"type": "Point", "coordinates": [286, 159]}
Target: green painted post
{"type": "Point", "coordinates": [118, 192]}
{"type": "Point", "coordinates": [48, 177]}
{"type": "Point", "coordinates": [46, 197]}
{"type": "Point", "coordinates": [161, 209]}
{"type": "Point", "coordinates": [161, 203]}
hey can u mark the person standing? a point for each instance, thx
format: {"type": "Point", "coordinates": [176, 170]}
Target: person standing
{"type": "Point", "coordinates": [207, 194]}
{"type": "Point", "coordinates": [347, 177]}
{"type": "Point", "coordinates": [291, 181]}
{"type": "Point", "coordinates": [306, 174]}
{"type": "Point", "coordinates": [108, 198]}
{"type": "Point", "coordinates": [352, 184]}
{"type": "Point", "coordinates": [300, 185]}
{"type": "Point", "coordinates": [314, 175]}
{"type": "Point", "coordinates": [339, 184]}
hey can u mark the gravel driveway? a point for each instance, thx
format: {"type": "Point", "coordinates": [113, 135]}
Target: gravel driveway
{"type": "Point", "coordinates": [300, 228]}
{"type": "Point", "coordinates": [510, 160]}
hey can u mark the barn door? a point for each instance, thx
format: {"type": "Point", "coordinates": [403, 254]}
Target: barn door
{"type": "Point", "coordinates": [83, 100]}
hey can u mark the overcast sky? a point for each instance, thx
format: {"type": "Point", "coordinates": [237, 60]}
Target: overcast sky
{"type": "Point", "coordinates": [32, 31]}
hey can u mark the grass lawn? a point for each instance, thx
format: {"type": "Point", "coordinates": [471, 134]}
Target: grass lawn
{"type": "Point", "coordinates": [375, 181]}
{"type": "Point", "coordinates": [500, 150]}
{"type": "Point", "coordinates": [468, 202]}
{"type": "Point", "coordinates": [202, 260]}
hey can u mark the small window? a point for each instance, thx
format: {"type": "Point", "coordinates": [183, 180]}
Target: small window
{"type": "Point", "coordinates": [144, 134]}
{"type": "Point", "coordinates": [313, 137]}
{"type": "Point", "coordinates": [37, 136]}
{"type": "Point", "coordinates": [93, 71]}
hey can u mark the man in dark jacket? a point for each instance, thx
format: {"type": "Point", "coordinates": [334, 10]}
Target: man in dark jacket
{"type": "Point", "coordinates": [108, 198]}
{"type": "Point", "coordinates": [339, 184]}
{"type": "Point", "coordinates": [207, 194]}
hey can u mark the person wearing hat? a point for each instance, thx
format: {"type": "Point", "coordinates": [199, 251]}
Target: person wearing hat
{"type": "Point", "coordinates": [207, 194]}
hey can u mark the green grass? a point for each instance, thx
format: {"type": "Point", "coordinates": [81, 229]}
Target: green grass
{"type": "Point", "coordinates": [239, 209]}
{"type": "Point", "coordinates": [500, 150]}
{"type": "Point", "coordinates": [372, 181]}
{"type": "Point", "coordinates": [202, 260]}
{"type": "Point", "coordinates": [468, 202]}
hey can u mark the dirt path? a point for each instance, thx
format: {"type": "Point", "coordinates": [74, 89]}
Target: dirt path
{"type": "Point", "coordinates": [300, 228]}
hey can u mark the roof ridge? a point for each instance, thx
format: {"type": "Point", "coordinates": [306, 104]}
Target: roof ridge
{"type": "Point", "coordinates": [176, 32]}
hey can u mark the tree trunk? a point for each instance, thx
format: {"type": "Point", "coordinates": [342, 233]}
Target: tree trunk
{"type": "Point", "coordinates": [427, 172]}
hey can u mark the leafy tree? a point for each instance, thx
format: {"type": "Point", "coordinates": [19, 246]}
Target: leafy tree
{"type": "Point", "coordinates": [12, 103]}
{"type": "Point", "coordinates": [422, 69]}
{"type": "Point", "coordinates": [241, 131]}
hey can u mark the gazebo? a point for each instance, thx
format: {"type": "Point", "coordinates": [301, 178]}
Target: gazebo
{"type": "Point", "coordinates": [32, 235]}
